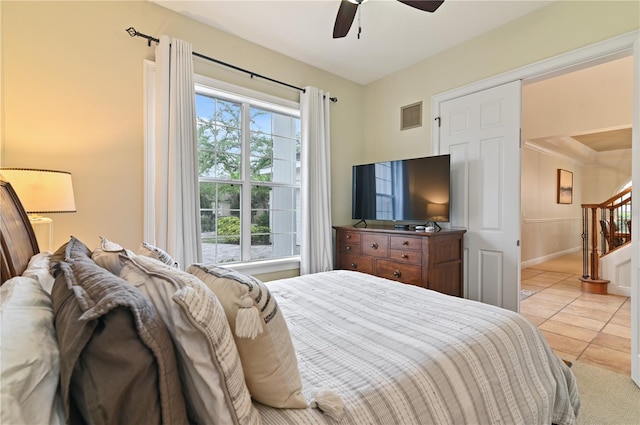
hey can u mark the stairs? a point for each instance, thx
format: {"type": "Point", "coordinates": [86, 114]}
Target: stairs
{"type": "Point", "coordinates": [606, 237]}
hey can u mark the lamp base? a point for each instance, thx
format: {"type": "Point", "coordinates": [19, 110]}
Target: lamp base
{"type": "Point", "coordinates": [43, 229]}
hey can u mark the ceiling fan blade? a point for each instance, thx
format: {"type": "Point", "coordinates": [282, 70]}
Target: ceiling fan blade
{"type": "Point", "coordinates": [426, 5]}
{"type": "Point", "coordinates": [344, 19]}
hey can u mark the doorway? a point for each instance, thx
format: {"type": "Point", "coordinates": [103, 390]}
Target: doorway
{"type": "Point", "coordinates": [577, 59]}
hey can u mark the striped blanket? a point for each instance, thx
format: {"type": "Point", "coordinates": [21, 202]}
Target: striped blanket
{"type": "Point", "coordinates": [399, 354]}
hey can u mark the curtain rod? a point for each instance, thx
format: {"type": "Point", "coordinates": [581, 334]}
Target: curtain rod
{"type": "Point", "coordinates": [133, 33]}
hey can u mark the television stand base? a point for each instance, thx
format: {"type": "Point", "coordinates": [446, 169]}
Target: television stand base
{"type": "Point", "coordinates": [361, 221]}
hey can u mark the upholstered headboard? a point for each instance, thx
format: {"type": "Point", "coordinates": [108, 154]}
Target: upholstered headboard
{"type": "Point", "coordinates": [17, 240]}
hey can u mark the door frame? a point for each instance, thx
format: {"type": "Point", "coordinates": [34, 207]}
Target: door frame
{"type": "Point", "coordinates": [584, 57]}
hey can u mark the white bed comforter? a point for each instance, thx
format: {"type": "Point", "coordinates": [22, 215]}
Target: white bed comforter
{"type": "Point", "coordinates": [399, 354]}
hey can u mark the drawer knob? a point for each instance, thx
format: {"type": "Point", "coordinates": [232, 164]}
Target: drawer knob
{"type": "Point", "coordinates": [374, 245]}
{"type": "Point", "coordinates": [396, 273]}
{"type": "Point", "coordinates": [405, 242]}
{"type": "Point", "coordinates": [354, 265]}
{"type": "Point", "coordinates": [348, 248]}
{"type": "Point", "coordinates": [405, 256]}
{"type": "Point", "coordinates": [347, 237]}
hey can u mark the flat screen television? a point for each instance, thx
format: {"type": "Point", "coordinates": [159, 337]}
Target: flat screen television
{"type": "Point", "coordinates": [416, 189]}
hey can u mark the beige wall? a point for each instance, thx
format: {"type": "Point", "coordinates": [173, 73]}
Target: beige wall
{"type": "Point", "coordinates": [597, 98]}
{"type": "Point", "coordinates": [558, 28]}
{"type": "Point", "coordinates": [72, 100]}
{"type": "Point", "coordinates": [72, 93]}
{"type": "Point", "coordinates": [548, 227]}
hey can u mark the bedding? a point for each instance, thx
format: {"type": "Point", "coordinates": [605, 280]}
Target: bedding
{"type": "Point", "coordinates": [28, 395]}
{"type": "Point", "coordinates": [210, 365]}
{"type": "Point", "coordinates": [400, 354]}
{"type": "Point", "coordinates": [368, 350]}
{"type": "Point", "coordinates": [118, 362]}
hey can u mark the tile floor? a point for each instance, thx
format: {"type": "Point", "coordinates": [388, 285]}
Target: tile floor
{"type": "Point", "coordinates": [592, 328]}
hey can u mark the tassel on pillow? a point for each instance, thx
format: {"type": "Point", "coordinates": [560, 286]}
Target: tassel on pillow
{"type": "Point", "coordinates": [248, 323]}
{"type": "Point", "coordinates": [329, 403]}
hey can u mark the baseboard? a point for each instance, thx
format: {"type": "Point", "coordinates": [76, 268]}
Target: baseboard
{"type": "Point", "coordinates": [549, 257]}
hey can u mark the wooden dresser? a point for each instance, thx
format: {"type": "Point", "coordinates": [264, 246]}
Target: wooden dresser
{"type": "Point", "coordinates": [431, 260]}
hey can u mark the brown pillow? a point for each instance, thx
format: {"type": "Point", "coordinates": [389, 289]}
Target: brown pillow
{"type": "Point", "coordinates": [117, 359]}
{"type": "Point", "coordinates": [71, 251]}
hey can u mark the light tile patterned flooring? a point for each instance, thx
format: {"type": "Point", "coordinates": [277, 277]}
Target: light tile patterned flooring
{"type": "Point", "coordinates": [594, 329]}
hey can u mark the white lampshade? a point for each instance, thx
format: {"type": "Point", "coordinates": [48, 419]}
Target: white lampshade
{"type": "Point", "coordinates": [42, 191]}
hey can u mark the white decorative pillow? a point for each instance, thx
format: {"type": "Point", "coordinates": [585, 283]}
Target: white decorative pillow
{"type": "Point", "coordinates": [30, 366]}
{"type": "Point", "coordinates": [261, 334]}
{"type": "Point", "coordinates": [159, 254]}
{"type": "Point", "coordinates": [212, 374]}
{"type": "Point", "coordinates": [38, 268]}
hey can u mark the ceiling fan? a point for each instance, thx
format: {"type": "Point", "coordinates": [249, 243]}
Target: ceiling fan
{"type": "Point", "coordinates": [348, 9]}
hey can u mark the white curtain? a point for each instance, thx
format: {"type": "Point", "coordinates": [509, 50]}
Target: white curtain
{"type": "Point", "coordinates": [176, 206]}
{"type": "Point", "coordinates": [316, 251]}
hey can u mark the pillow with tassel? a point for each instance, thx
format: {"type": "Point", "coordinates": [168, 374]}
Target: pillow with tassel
{"type": "Point", "coordinates": [261, 334]}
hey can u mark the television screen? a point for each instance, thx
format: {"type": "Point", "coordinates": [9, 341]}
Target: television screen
{"type": "Point", "coordinates": [415, 189]}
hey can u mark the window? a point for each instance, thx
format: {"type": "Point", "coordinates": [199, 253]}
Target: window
{"type": "Point", "coordinates": [249, 174]}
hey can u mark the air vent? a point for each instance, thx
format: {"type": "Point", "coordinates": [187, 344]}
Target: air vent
{"type": "Point", "coordinates": [411, 116]}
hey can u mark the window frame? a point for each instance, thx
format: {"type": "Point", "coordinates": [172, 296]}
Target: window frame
{"type": "Point", "coordinates": [211, 86]}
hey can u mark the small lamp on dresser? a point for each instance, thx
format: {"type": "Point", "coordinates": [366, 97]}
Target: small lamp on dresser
{"type": "Point", "coordinates": [42, 192]}
{"type": "Point", "coordinates": [436, 212]}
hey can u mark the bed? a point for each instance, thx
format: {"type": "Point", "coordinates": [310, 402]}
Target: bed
{"type": "Point", "coordinates": [162, 345]}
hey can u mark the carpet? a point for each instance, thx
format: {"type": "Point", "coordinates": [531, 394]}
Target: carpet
{"type": "Point", "coordinates": [606, 398]}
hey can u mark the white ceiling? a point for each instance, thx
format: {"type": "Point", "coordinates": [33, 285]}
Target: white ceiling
{"type": "Point", "coordinates": [394, 36]}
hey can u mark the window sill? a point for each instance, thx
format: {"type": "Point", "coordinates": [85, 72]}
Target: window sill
{"type": "Point", "coordinates": [268, 266]}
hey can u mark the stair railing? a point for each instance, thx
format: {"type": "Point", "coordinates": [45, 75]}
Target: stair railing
{"type": "Point", "coordinates": [609, 222]}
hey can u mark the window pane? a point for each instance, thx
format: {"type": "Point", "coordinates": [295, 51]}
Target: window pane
{"type": "Point", "coordinates": [272, 149]}
{"type": "Point", "coordinates": [274, 222]}
{"type": "Point", "coordinates": [220, 221]}
{"type": "Point", "coordinates": [219, 138]}
{"type": "Point", "coordinates": [275, 147]}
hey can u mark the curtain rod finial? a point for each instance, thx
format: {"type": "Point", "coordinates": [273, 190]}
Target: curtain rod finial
{"type": "Point", "coordinates": [132, 31]}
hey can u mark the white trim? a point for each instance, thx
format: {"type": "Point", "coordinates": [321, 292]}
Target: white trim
{"type": "Point", "coordinates": [549, 257]}
{"type": "Point", "coordinates": [635, 214]}
{"type": "Point", "coordinates": [550, 220]}
{"type": "Point", "coordinates": [267, 266]}
{"type": "Point", "coordinates": [537, 148]}
{"type": "Point", "coordinates": [242, 94]}
{"type": "Point", "coordinates": [148, 75]}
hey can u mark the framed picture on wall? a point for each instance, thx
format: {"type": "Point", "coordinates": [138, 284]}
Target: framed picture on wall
{"type": "Point", "coordinates": [565, 186]}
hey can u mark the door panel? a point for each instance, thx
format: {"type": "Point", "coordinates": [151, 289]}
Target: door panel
{"type": "Point", "coordinates": [481, 131]}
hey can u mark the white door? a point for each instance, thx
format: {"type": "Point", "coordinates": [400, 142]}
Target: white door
{"type": "Point", "coordinates": [481, 132]}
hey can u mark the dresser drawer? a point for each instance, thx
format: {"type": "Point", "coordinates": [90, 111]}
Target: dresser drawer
{"type": "Point", "coordinates": [349, 248]}
{"type": "Point", "coordinates": [401, 272]}
{"type": "Point", "coordinates": [406, 256]}
{"type": "Point", "coordinates": [356, 263]}
{"type": "Point", "coordinates": [376, 245]}
{"type": "Point", "coordinates": [406, 242]}
{"type": "Point", "coordinates": [348, 237]}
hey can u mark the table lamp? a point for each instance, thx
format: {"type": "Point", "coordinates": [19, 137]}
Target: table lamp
{"type": "Point", "coordinates": [436, 212]}
{"type": "Point", "coordinates": [42, 192]}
